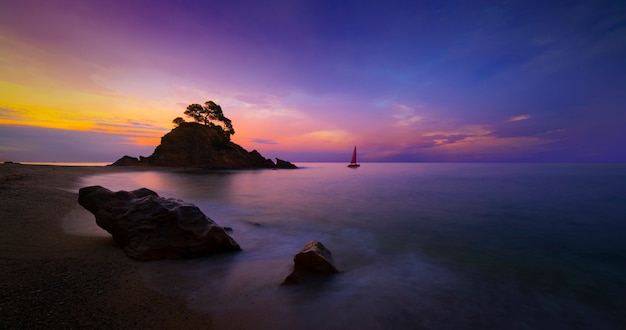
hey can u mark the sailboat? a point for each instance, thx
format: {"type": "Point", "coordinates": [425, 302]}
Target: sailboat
{"type": "Point", "coordinates": [353, 163]}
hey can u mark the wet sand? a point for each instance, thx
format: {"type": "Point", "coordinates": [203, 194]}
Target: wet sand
{"type": "Point", "coordinates": [52, 280]}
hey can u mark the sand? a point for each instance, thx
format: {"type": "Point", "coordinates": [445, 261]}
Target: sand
{"type": "Point", "coordinates": [52, 280]}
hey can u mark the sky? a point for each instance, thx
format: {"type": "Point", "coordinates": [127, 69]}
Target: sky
{"type": "Point", "coordinates": [420, 81]}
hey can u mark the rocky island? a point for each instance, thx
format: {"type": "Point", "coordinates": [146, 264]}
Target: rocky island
{"type": "Point", "coordinates": [203, 144]}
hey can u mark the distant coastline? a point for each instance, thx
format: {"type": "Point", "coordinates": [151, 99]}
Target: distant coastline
{"type": "Point", "coordinates": [96, 164]}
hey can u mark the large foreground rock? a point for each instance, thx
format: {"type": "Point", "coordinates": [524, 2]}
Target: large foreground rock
{"type": "Point", "coordinates": [149, 227]}
{"type": "Point", "coordinates": [313, 261]}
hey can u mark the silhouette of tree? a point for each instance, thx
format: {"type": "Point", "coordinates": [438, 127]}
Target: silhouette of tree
{"type": "Point", "coordinates": [209, 112]}
{"type": "Point", "coordinates": [178, 121]}
{"type": "Point", "coordinates": [198, 113]}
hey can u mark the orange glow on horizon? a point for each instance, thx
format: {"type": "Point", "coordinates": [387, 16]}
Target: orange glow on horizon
{"type": "Point", "coordinates": [146, 141]}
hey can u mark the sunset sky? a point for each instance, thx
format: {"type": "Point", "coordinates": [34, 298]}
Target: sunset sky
{"type": "Point", "coordinates": [308, 80]}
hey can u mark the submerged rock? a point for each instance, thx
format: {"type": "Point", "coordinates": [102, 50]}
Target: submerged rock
{"type": "Point", "coordinates": [313, 261]}
{"type": "Point", "coordinates": [150, 227]}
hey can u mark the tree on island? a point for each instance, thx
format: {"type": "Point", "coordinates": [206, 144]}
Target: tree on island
{"type": "Point", "coordinates": [178, 121]}
{"type": "Point", "coordinates": [206, 114]}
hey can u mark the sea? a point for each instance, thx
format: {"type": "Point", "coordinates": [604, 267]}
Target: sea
{"type": "Point", "coordinates": [419, 245]}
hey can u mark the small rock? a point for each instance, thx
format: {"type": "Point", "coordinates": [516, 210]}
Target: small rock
{"type": "Point", "coordinates": [127, 161]}
{"type": "Point", "coordinates": [283, 164]}
{"type": "Point", "coordinates": [313, 261]}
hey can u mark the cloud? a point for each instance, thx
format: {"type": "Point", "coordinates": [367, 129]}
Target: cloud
{"type": "Point", "coordinates": [489, 148]}
{"type": "Point", "coordinates": [263, 141]}
{"type": "Point", "coordinates": [520, 117]}
{"type": "Point", "coordinates": [129, 124]}
{"type": "Point", "coordinates": [330, 135]}
{"type": "Point", "coordinates": [521, 126]}
{"type": "Point", "coordinates": [553, 132]}
{"type": "Point", "coordinates": [143, 134]}
{"type": "Point", "coordinates": [467, 130]}
{"type": "Point", "coordinates": [405, 116]}
{"type": "Point", "coordinates": [329, 140]}
{"type": "Point", "coordinates": [447, 139]}
{"type": "Point", "coordinates": [11, 114]}
{"type": "Point", "coordinates": [267, 106]}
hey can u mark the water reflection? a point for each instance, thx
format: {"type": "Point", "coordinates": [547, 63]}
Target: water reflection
{"type": "Point", "coordinates": [168, 184]}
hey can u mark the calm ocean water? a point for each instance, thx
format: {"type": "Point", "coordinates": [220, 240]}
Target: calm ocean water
{"type": "Point", "coordinates": [421, 245]}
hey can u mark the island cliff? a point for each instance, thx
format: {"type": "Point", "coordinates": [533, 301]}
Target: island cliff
{"type": "Point", "coordinates": [203, 146]}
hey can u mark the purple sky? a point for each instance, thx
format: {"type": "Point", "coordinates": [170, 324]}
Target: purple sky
{"type": "Point", "coordinates": [308, 80]}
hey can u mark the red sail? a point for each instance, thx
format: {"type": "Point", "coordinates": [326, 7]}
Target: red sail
{"type": "Point", "coordinates": [353, 163]}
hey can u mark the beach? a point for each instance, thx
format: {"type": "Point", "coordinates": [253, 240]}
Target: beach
{"type": "Point", "coordinates": [49, 279]}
